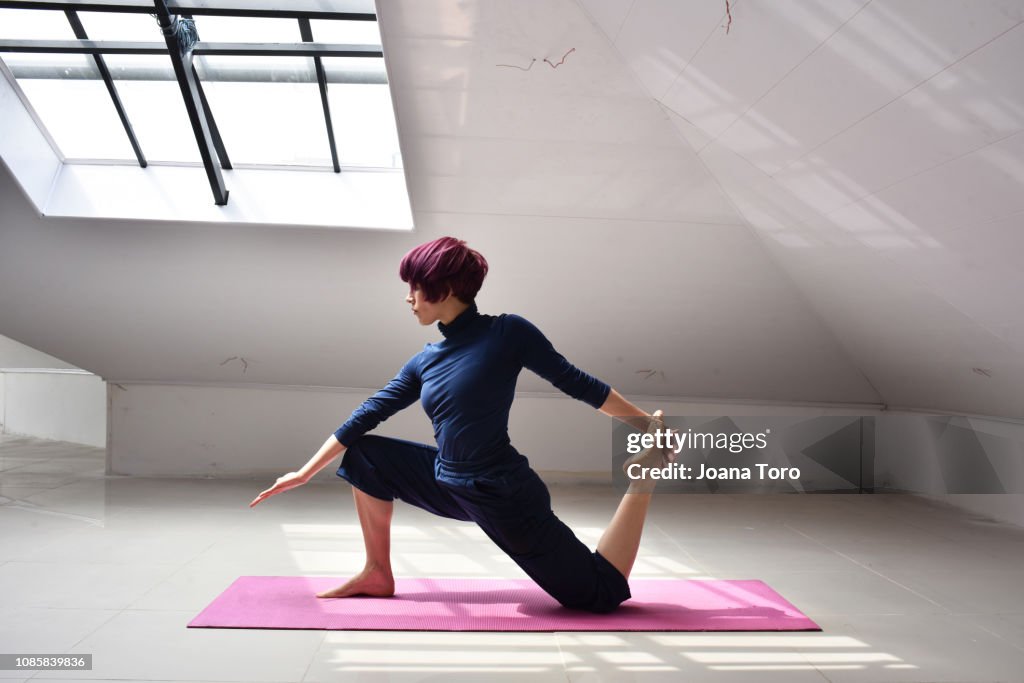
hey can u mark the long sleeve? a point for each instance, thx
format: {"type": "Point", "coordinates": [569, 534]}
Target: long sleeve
{"type": "Point", "coordinates": [538, 354]}
{"type": "Point", "coordinates": [397, 394]}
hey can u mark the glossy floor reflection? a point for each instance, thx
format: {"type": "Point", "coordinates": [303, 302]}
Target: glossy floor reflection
{"type": "Point", "coordinates": [905, 589]}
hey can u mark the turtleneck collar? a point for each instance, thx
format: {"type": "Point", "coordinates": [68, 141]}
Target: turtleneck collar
{"type": "Point", "coordinates": [461, 322]}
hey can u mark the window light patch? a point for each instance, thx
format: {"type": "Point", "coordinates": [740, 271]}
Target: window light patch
{"type": "Point", "coordinates": [119, 26]}
{"type": "Point", "coordinates": [247, 30]}
{"type": "Point", "coordinates": [80, 117]}
{"type": "Point", "coordinates": [34, 24]}
{"type": "Point", "coordinates": [271, 123]}
{"type": "Point", "coordinates": [345, 32]}
{"type": "Point", "coordinates": [364, 125]}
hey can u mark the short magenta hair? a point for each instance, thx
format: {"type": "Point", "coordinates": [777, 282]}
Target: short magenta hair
{"type": "Point", "coordinates": [444, 264]}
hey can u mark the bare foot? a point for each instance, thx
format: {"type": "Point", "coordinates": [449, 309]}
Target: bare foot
{"type": "Point", "coordinates": [375, 581]}
{"type": "Point", "coordinates": [649, 458]}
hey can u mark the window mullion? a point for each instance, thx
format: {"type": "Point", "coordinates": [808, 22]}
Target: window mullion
{"type": "Point", "coordinates": [101, 66]}
{"type": "Point", "coordinates": [321, 78]}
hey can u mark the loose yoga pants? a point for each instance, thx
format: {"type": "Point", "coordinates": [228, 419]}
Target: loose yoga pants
{"type": "Point", "coordinates": [512, 507]}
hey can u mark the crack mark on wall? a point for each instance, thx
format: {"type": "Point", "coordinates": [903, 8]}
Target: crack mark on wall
{"type": "Point", "coordinates": [514, 66]}
{"type": "Point", "coordinates": [562, 61]}
{"type": "Point", "coordinates": [545, 60]}
{"type": "Point", "coordinates": [245, 363]}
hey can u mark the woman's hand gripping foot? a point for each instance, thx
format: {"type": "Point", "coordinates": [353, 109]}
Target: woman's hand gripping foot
{"type": "Point", "coordinates": [650, 458]}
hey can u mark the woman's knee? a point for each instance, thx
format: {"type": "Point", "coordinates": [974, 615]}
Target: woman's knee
{"type": "Point", "coordinates": [358, 467]}
{"type": "Point", "coordinates": [607, 589]}
{"type": "Point", "coordinates": [602, 607]}
{"type": "Point", "coordinates": [368, 445]}
{"type": "Point", "coordinates": [375, 447]}
{"type": "Point", "coordinates": [603, 602]}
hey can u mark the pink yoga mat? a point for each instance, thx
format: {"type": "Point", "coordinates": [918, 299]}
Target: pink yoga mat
{"type": "Point", "coordinates": [290, 602]}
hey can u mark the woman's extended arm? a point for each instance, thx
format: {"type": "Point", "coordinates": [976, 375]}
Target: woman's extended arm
{"type": "Point", "coordinates": [328, 452]}
{"type": "Point", "coordinates": [539, 355]}
{"type": "Point", "coordinates": [399, 393]}
{"type": "Point", "coordinates": [618, 407]}
{"type": "Point", "coordinates": [285, 482]}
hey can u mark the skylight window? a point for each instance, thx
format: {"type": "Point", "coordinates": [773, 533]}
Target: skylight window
{"type": "Point", "coordinates": [262, 86]}
{"type": "Point", "coordinates": [117, 26]}
{"type": "Point", "coordinates": [249, 114]}
{"type": "Point", "coordinates": [35, 24]}
{"type": "Point", "coordinates": [79, 116]}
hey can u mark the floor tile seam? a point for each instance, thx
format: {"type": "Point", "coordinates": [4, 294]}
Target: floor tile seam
{"type": "Point", "coordinates": [813, 665]}
{"type": "Point", "coordinates": [66, 609]}
{"type": "Point", "coordinates": [227, 535]}
{"type": "Point", "coordinates": [87, 635]}
{"type": "Point", "coordinates": [58, 463]}
{"type": "Point", "coordinates": [561, 657]}
{"type": "Point", "coordinates": [169, 577]}
{"type": "Point", "coordinates": [117, 565]}
{"type": "Point", "coordinates": [943, 573]}
{"type": "Point", "coordinates": [46, 488]}
{"type": "Point", "coordinates": [877, 573]}
{"type": "Point", "coordinates": [1012, 644]}
{"type": "Point", "coordinates": [29, 507]}
{"type": "Point", "coordinates": [786, 649]}
{"type": "Point", "coordinates": [700, 565]}
{"type": "Point", "coordinates": [319, 646]}
{"type": "Point", "coordinates": [937, 534]}
{"type": "Point", "coordinates": [92, 563]}
{"type": "Point", "coordinates": [874, 542]}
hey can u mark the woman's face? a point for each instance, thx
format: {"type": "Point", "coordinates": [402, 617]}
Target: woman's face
{"type": "Point", "coordinates": [426, 312]}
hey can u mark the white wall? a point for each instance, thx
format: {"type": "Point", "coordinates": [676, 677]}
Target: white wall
{"type": "Point", "coordinates": [264, 431]}
{"type": "Point", "coordinates": [60, 405]}
{"type": "Point", "coordinates": [48, 398]}
{"type": "Point", "coordinates": [972, 463]}
{"type": "Point", "coordinates": [194, 430]}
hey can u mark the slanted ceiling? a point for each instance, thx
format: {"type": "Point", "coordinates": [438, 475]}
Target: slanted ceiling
{"type": "Point", "coordinates": [801, 201]}
{"type": "Point", "coordinates": [875, 148]}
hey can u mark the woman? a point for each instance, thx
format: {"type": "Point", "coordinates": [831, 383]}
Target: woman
{"type": "Point", "coordinates": [466, 383]}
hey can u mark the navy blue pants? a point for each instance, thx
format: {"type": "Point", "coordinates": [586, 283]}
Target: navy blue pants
{"type": "Point", "coordinates": [512, 507]}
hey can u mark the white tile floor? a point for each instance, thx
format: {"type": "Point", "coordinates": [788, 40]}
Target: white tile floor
{"type": "Point", "coordinates": [905, 589]}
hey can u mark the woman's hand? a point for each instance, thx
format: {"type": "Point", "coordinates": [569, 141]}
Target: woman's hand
{"type": "Point", "coordinates": [285, 482]}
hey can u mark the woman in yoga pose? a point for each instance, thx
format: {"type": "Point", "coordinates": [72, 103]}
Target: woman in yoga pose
{"type": "Point", "coordinates": [466, 383]}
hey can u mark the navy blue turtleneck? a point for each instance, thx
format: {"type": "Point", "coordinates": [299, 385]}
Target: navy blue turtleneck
{"type": "Point", "coordinates": [466, 383]}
